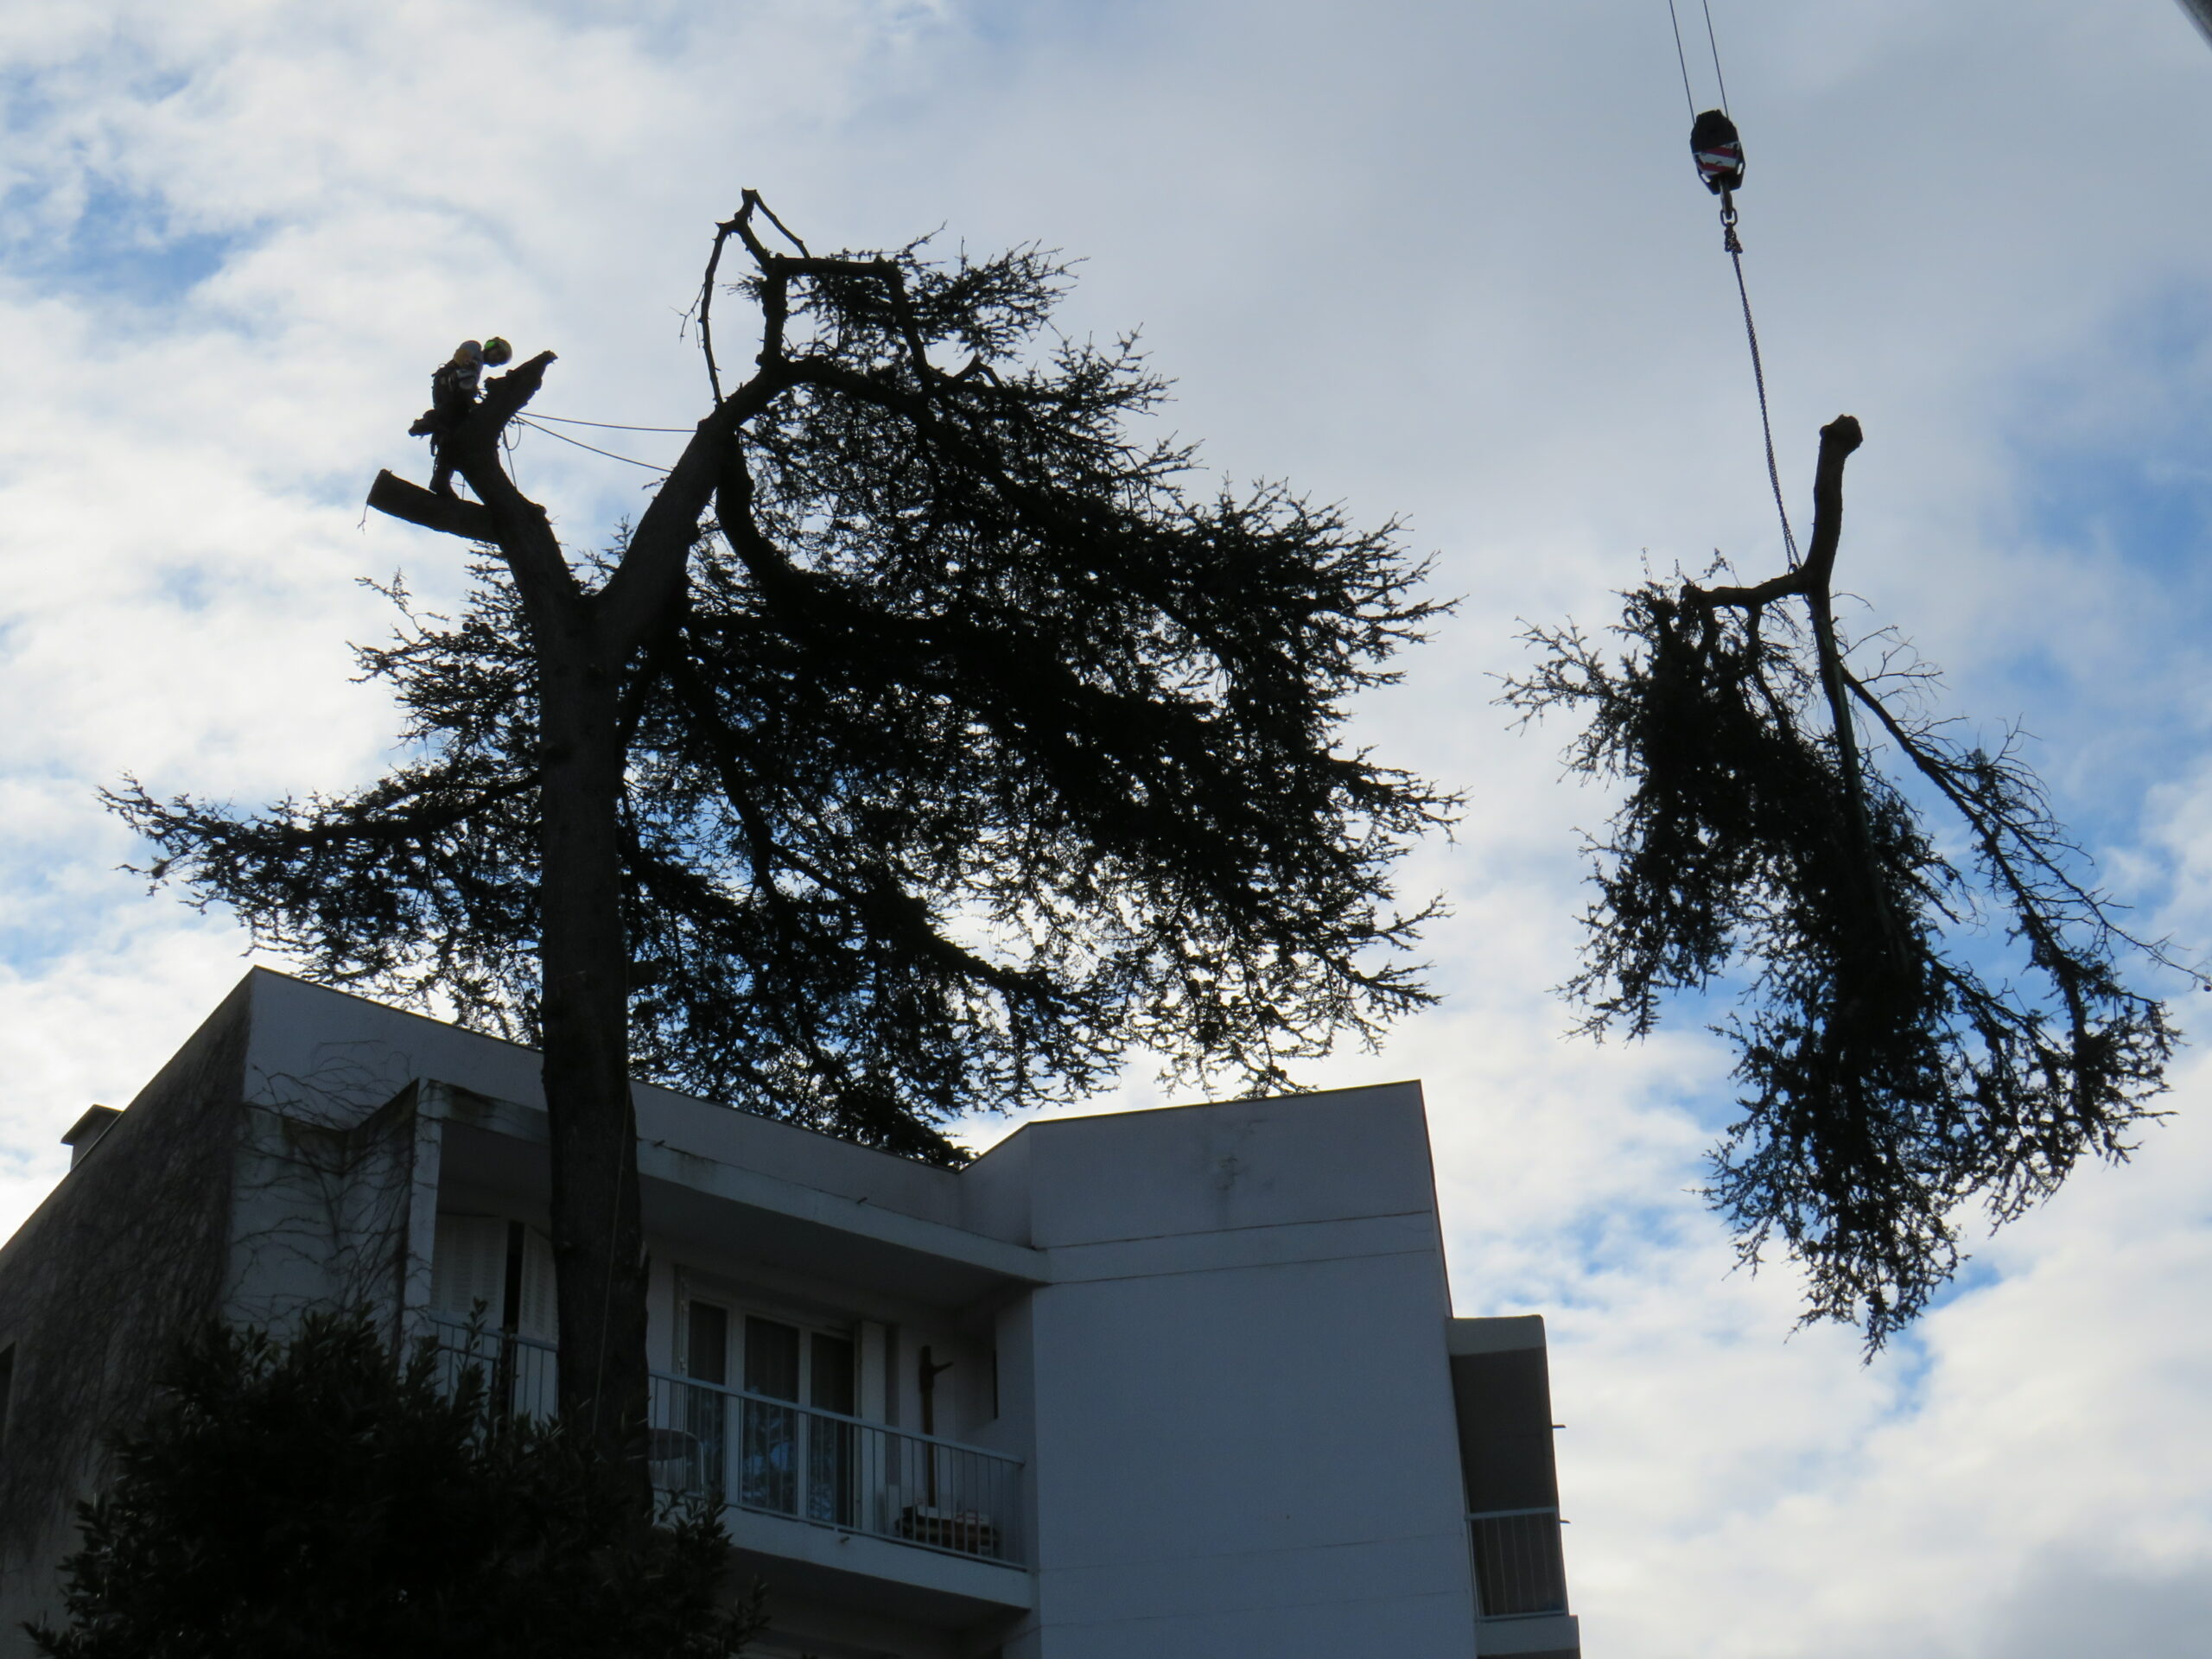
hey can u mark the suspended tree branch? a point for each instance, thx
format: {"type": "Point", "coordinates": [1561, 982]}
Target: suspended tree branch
{"type": "Point", "coordinates": [1892, 1072]}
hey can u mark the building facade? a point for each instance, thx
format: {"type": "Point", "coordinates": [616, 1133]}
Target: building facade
{"type": "Point", "coordinates": [1182, 1384]}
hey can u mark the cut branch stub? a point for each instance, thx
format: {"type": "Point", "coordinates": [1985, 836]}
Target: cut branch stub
{"type": "Point", "coordinates": [504, 397]}
{"type": "Point", "coordinates": [1838, 438]}
{"type": "Point", "coordinates": [394, 495]}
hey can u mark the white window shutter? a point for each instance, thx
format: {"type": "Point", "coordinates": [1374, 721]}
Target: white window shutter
{"type": "Point", "coordinates": [468, 1264]}
{"type": "Point", "coordinates": [537, 1316]}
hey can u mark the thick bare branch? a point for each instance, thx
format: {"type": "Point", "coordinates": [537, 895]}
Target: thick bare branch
{"type": "Point", "coordinates": [470, 520]}
{"type": "Point", "coordinates": [1837, 439]}
{"type": "Point", "coordinates": [638, 595]}
{"type": "Point", "coordinates": [505, 395]}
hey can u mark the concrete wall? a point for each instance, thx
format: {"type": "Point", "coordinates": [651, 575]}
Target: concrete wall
{"type": "Point", "coordinates": [311, 1041]}
{"type": "Point", "coordinates": [128, 1253]}
{"type": "Point", "coordinates": [1242, 1414]}
{"type": "Point", "coordinates": [265, 1169]}
{"type": "Point", "coordinates": [1219, 1332]}
{"type": "Point", "coordinates": [319, 1211]}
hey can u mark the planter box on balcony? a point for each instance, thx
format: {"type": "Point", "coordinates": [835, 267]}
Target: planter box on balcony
{"type": "Point", "coordinates": [965, 1531]}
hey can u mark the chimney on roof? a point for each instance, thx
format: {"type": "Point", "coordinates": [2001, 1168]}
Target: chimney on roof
{"type": "Point", "coordinates": [87, 1130]}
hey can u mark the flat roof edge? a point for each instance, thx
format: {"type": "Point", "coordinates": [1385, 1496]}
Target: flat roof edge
{"type": "Point", "coordinates": [759, 1190]}
{"type": "Point", "coordinates": [1504, 1334]}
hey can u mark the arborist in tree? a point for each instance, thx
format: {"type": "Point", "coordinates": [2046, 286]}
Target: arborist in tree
{"type": "Point", "coordinates": [452, 394]}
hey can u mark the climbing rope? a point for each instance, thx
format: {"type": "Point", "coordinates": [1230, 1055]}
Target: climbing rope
{"type": "Point", "coordinates": [650, 467]}
{"type": "Point", "coordinates": [609, 426]}
{"type": "Point", "coordinates": [1718, 151]}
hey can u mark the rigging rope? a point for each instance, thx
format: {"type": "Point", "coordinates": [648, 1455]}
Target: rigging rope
{"type": "Point", "coordinates": [611, 426]}
{"type": "Point", "coordinates": [1735, 247]}
{"type": "Point", "coordinates": [1718, 151]}
{"type": "Point", "coordinates": [650, 467]}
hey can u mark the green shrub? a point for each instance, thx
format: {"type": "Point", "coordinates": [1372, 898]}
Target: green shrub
{"type": "Point", "coordinates": [321, 1497]}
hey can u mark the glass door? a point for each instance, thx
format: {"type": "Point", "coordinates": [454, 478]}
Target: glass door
{"type": "Point", "coordinates": [831, 1464]}
{"type": "Point", "coordinates": [791, 1461]}
{"type": "Point", "coordinates": [769, 1469]}
{"type": "Point", "coordinates": [706, 1410]}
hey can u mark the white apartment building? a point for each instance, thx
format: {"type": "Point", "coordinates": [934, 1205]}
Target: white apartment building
{"type": "Point", "coordinates": [1173, 1384]}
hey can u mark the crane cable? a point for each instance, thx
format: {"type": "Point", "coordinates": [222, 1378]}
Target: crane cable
{"type": "Point", "coordinates": [1718, 154]}
{"type": "Point", "coordinates": [1683, 59]}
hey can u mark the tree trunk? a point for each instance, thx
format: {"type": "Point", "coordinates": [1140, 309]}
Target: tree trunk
{"type": "Point", "coordinates": [584, 955]}
{"type": "Point", "coordinates": [579, 642]}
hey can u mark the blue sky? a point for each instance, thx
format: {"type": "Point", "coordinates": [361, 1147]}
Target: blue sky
{"type": "Point", "coordinates": [1443, 263]}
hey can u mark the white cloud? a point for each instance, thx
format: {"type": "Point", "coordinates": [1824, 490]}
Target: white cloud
{"type": "Point", "coordinates": [1443, 262]}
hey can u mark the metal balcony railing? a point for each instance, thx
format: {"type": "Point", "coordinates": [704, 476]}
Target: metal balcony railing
{"type": "Point", "coordinates": [777, 1457]}
{"type": "Point", "coordinates": [1519, 1570]}
{"type": "Point", "coordinates": [518, 1370]}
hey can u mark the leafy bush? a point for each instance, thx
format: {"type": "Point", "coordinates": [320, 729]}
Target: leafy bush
{"type": "Point", "coordinates": [321, 1497]}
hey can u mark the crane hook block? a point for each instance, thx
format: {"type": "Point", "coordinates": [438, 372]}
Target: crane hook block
{"type": "Point", "coordinates": [1718, 151]}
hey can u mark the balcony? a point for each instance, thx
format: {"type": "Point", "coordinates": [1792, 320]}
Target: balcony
{"type": "Point", "coordinates": [776, 1457]}
{"type": "Point", "coordinates": [1519, 1572]}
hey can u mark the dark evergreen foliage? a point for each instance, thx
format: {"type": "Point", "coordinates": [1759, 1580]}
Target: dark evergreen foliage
{"type": "Point", "coordinates": [978, 749]}
{"type": "Point", "coordinates": [320, 1497]}
{"type": "Point", "coordinates": [1891, 1075]}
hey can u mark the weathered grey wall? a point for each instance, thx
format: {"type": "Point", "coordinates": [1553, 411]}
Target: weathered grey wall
{"type": "Point", "coordinates": [254, 1177]}
{"type": "Point", "coordinates": [320, 1208]}
{"type": "Point", "coordinates": [129, 1252]}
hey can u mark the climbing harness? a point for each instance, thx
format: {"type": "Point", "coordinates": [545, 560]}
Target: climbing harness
{"type": "Point", "coordinates": [452, 394]}
{"type": "Point", "coordinates": [1716, 150]}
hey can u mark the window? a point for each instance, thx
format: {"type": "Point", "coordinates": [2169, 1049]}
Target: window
{"type": "Point", "coordinates": [830, 1446]}
{"type": "Point", "coordinates": [706, 1345]}
{"type": "Point", "coordinates": [505, 1265]}
{"type": "Point", "coordinates": [795, 1462]}
{"type": "Point", "coordinates": [770, 1479]}
{"type": "Point", "coordinates": [706, 1411]}
{"type": "Point", "coordinates": [789, 1459]}
{"type": "Point", "coordinates": [495, 1275]}
{"type": "Point", "coordinates": [469, 1265]}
